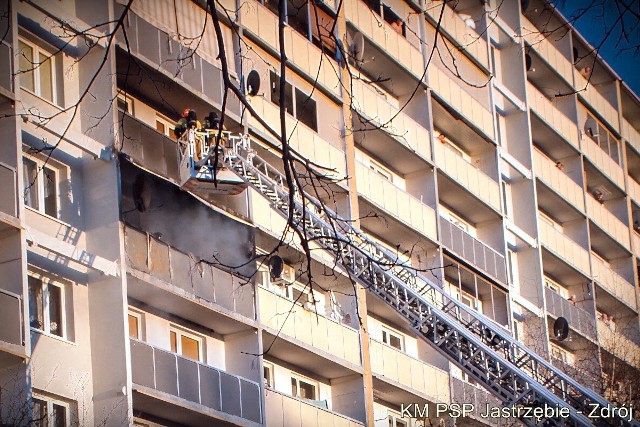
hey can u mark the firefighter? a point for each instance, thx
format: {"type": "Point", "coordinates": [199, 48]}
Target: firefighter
{"type": "Point", "coordinates": [188, 120]}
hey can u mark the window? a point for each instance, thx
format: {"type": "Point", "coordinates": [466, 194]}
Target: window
{"type": "Point", "coordinates": [46, 306]}
{"type": "Point", "coordinates": [298, 294]}
{"type": "Point", "coordinates": [395, 419]}
{"type": "Point", "coordinates": [125, 103]}
{"type": "Point", "coordinates": [306, 110]}
{"type": "Point", "coordinates": [165, 126]}
{"type": "Point", "coordinates": [506, 198]}
{"type": "Point", "coordinates": [393, 338]}
{"type": "Point", "coordinates": [459, 222]}
{"type": "Point", "coordinates": [275, 92]}
{"type": "Point", "coordinates": [304, 388]}
{"type": "Point", "coordinates": [37, 70]}
{"type": "Point", "coordinates": [40, 187]}
{"type": "Point", "coordinates": [135, 325]}
{"type": "Point", "coordinates": [48, 412]}
{"type": "Point", "coordinates": [267, 374]}
{"type": "Point", "coordinates": [381, 170]}
{"type": "Point", "coordinates": [186, 344]}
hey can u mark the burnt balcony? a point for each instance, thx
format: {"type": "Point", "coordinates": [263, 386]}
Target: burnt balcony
{"type": "Point", "coordinates": [198, 394]}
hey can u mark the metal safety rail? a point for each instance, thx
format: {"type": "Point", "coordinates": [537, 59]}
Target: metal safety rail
{"type": "Point", "coordinates": [481, 348]}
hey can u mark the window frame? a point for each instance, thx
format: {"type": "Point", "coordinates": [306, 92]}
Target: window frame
{"type": "Point", "coordinates": [49, 401]}
{"type": "Point", "coordinates": [389, 331]}
{"type": "Point", "coordinates": [394, 417]}
{"type": "Point", "coordinates": [268, 379]}
{"type": "Point", "coordinates": [307, 380]}
{"type": "Point", "coordinates": [168, 124]}
{"type": "Point", "coordinates": [380, 170]}
{"type": "Point", "coordinates": [180, 331]}
{"type": "Point", "coordinates": [36, 67]}
{"type": "Point", "coordinates": [139, 318]}
{"type": "Point", "coordinates": [128, 101]}
{"type": "Point", "coordinates": [39, 182]}
{"type": "Point", "coordinates": [46, 320]}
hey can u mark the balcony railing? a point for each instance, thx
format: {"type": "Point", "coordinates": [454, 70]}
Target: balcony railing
{"type": "Point", "coordinates": [194, 382]}
{"type": "Point", "coordinates": [373, 106]}
{"type": "Point", "coordinates": [6, 69]}
{"type": "Point", "coordinates": [608, 222]}
{"type": "Point", "coordinates": [447, 87]}
{"type": "Point", "coordinates": [464, 392]}
{"type": "Point", "coordinates": [613, 282]}
{"type": "Point", "coordinates": [470, 41]}
{"type": "Point", "coordinates": [618, 344]}
{"type": "Point", "coordinates": [11, 328]}
{"type": "Point", "coordinates": [562, 246]}
{"type": "Point", "coordinates": [551, 115]}
{"type": "Point", "coordinates": [149, 255]}
{"type": "Point", "coordinates": [467, 175]}
{"type": "Point", "coordinates": [636, 244]}
{"type": "Point", "coordinates": [283, 410]}
{"type": "Point", "coordinates": [633, 188]}
{"type": "Point", "coordinates": [559, 181]}
{"type": "Point", "coordinates": [597, 102]}
{"type": "Point", "coordinates": [410, 372]}
{"type": "Point", "coordinates": [473, 250]}
{"type": "Point", "coordinates": [387, 39]}
{"type": "Point", "coordinates": [395, 201]}
{"type": "Point", "coordinates": [308, 58]}
{"type": "Point", "coordinates": [630, 133]}
{"type": "Point", "coordinates": [324, 334]}
{"type": "Point", "coordinates": [603, 161]}
{"type": "Point", "coordinates": [539, 41]}
{"type": "Point", "coordinates": [579, 319]}
{"type": "Point", "coordinates": [9, 192]}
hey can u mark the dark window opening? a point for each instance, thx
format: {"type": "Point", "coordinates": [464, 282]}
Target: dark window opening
{"type": "Point", "coordinates": [275, 92]}
{"type": "Point", "coordinates": [306, 110]}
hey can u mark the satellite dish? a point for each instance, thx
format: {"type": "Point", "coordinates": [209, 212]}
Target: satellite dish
{"type": "Point", "coordinates": [276, 264]}
{"type": "Point", "coordinates": [561, 329]}
{"type": "Point", "coordinates": [528, 61]}
{"type": "Point", "coordinates": [356, 48]}
{"type": "Point", "coordinates": [253, 83]}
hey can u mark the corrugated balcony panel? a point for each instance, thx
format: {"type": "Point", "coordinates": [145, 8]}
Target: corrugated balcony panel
{"type": "Point", "coordinates": [633, 189]}
{"type": "Point", "coordinates": [618, 344]}
{"type": "Point", "coordinates": [636, 244]}
{"type": "Point", "coordinates": [412, 373]}
{"type": "Point", "coordinates": [551, 115]}
{"type": "Point", "coordinates": [579, 319]}
{"type": "Point", "coordinates": [317, 331]}
{"type": "Point", "coordinates": [589, 93]}
{"type": "Point", "coordinates": [557, 180]}
{"type": "Point", "coordinates": [387, 39]}
{"type": "Point", "coordinates": [630, 134]}
{"type": "Point", "coordinates": [608, 222]}
{"type": "Point", "coordinates": [375, 107]}
{"type": "Point", "coordinates": [614, 283]}
{"type": "Point", "coordinates": [6, 62]}
{"type": "Point", "coordinates": [563, 247]}
{"type": "Point", "coordinates": [466, 393]}
{"type": "Point", "coordinates": [11, 328]}
{"type": "Point", "coordinates": [466, 38]}
{"type": "Point", "coordinates": [284, 411]}
{"type": "Point", "coordinates": [395, 201]}
{"type": "Point", "coordinates": [9, 193]}
{"type": "Point", "coordinates": [539, 41]}
{"type": "Point", "coordinates": [468, 176]}
{"type": "Point", "coordinates": [447, 88]}
{"type": "Point", "coordinates": [474, 251]}
{"type": "Point", "coordinates": [194, 382]}
{"type": "Point", "coordinates": [603, 161]}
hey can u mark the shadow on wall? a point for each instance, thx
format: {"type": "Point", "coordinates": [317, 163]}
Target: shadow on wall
{"type": "Point", "coordinates": [161, 209]}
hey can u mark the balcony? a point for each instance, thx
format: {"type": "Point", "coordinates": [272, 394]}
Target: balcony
{"type": "Point", "coordinates": [464, 392]}
{"type": "Point", "coordinates": [392, 200]}
{"type": "Point", "coordinates": [633, 189]}
{"type": "Point", "coordinates": [563, 247]}
{"type": "Point", "coordinates": [603, 161]}
{"type": "Point", "coordinates": [614, 283]}
{"type": "Point", "coordinates": [548, 113]}
{"type": "Point", "coordinates": [618, 344]}
{"type": "Point", "coordinates": [539, 41]}
{"type": "Point", "coordinates": [579, 319]}
{"type": "Point", "coordinates": [163, 277]}
{"type": "Point", "coordinates": [384, 37]}
{"type": "Point", "coordinates": [262, 23]}
{"type": "Point", "coordinates": [301, 138]}
{"type": "Point", "coordinates": [8, 195]}
{"type": "Point", "coordinates": [589, 93]}
{"type": "Point", "coordinates": [199, 392]}
{"type": "Point", "coordinates": [608, 222]}
{"type": "Point", "coordinates": [282, 411]}
{"type": "Point", "coordinates": [547, 171]}
{"type": "Point", "coordinates": [630, 134]}
{"type": "Point", "coordinates": [468, 176]}
{"type": "Point", "coordinates": [11, 324]}
{"type": "Point", "coordinates": [447, 87]}
{"type": "Point", "coordinates": [475, 252]}
{"type": "Point", "coordinates": [464, 37]}
{"type": "Point", "coordinates": [281, 314]}
{"type": "Point", "coordinates": [373, 106]}
{"type": "Point", "coordinates": [408, 372]}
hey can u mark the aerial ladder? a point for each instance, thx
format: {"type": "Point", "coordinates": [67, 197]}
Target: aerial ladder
{"type": "Point", "coordinates": [536, 392]}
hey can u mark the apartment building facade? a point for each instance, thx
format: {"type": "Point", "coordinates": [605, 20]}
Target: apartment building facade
{"type": "Point", "coordinates": [504, 165]}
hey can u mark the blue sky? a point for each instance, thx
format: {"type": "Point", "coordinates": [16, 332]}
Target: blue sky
{"type": "Point", "coordinates": [593, 27]}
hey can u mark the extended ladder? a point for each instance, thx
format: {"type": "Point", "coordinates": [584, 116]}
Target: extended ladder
{"type": "Point", "coordinates": [473, 342]}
